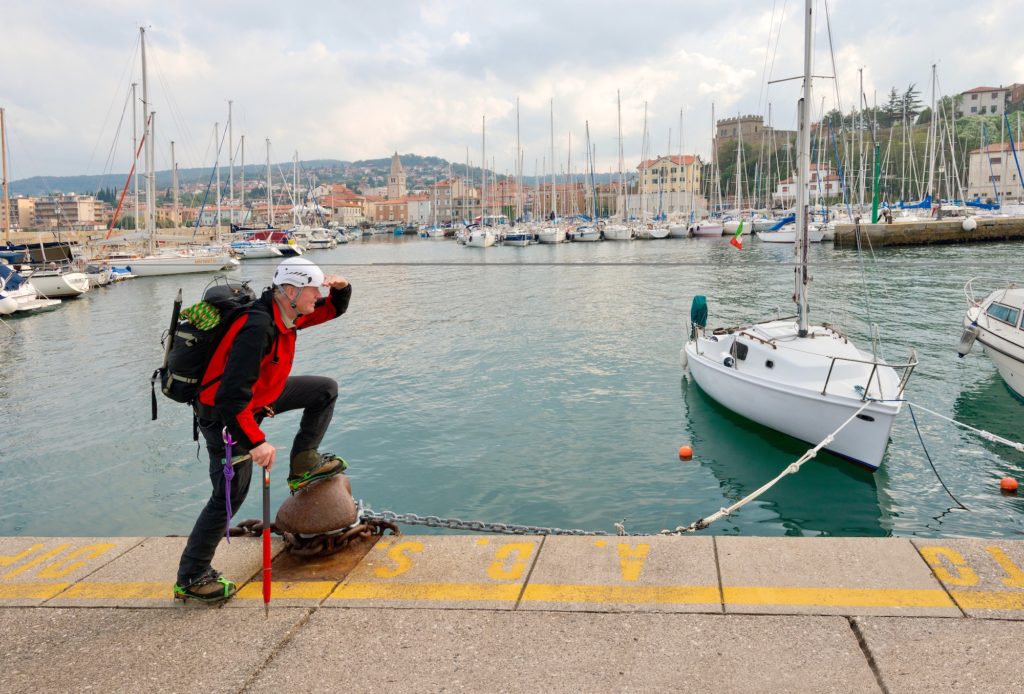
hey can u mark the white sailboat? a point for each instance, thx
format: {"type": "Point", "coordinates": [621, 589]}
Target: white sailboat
{"type": "Point", "coordinates": [803, 380]}
{"type": "Point", "coordinates": [174, 261]}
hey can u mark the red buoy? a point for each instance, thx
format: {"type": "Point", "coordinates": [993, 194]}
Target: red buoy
{"type": "Point", "coordinates": [1008, 485]}
{"type": "Point", "coordinates": [685, 453]}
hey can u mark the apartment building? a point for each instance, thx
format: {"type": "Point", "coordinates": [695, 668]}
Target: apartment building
{"type": "Point", "coordinates": [992, 173]}
{"type": "Point", "coordinates": [982, 100]}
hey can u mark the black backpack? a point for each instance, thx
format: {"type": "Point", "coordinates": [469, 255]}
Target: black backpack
{"type": "Point", "coordinates": [188, 349]}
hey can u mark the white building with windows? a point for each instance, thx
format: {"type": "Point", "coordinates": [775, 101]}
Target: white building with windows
{"type": "Point", "coordinates": [992, 174]}
{"type": "Point", "coordinates": [982, 100]}
{"type": "Point", "coordinates": [823, 184]}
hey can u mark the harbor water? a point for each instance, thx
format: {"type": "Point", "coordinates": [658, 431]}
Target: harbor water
{"type": "Point", "coordinates": [537, 385]}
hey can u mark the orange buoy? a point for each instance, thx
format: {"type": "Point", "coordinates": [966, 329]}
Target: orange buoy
{"type": "Point", "coordinates": [685, 453]}
{"type": "Point", "coordinates": [1007, 484]}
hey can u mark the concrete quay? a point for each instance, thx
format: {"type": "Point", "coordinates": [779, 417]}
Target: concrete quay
{"type": "Point", "coordinates": [500, 613]}
{"type": "Point", "coordinates": [930, 232]}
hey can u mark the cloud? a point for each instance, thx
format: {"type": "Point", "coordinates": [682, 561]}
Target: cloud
{"type": "Point", "coordinates": [362, 80]}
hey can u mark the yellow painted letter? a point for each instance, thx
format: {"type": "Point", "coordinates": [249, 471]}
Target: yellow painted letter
{"type": "Point", "coordinates": [962, 574]}
{"type": "Point", "coordinates": [632, 560]}
{"type": "Point", "coordinates": [519, 552]}
{"type": "Point", "coordinates": [59, 569]}
{"type": "Point", "coordinates": [1015, 575]}
{"type": "Point", "coordinates": [7, 560]}
{"type": "Point", "coordinates": [400, 555]}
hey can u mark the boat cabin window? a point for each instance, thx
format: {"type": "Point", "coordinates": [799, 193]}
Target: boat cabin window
{"type": "Point", "coordinates": [1006, 314]}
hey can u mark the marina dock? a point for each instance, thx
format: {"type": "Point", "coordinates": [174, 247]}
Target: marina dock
{"type": "Point", "coordinates": [521, 613]}
{"type": "Point", "coordinates": [932, 232]}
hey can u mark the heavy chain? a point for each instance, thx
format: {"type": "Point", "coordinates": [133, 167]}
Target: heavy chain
{"type": "Point", "coordinates": [475, 526]}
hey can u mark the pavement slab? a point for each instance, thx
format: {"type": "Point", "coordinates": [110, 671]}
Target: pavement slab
{"type": "Point", "coordinates": [943, 655]}
{"type": "Point", "coordinates": [114, 650]}
{"type": "Point", "coordinates": [984, 577]}
{"type": "Point", "coordinates": [843, 576]}
{"type": "Point", "coordinates": [34, 569]}
{"type": "Point", "coordinates": [649, 574]}
{"type": "Point", "coordinates": [460, 572]}
{"type": "Point", "coordinates": [145, 575]}
{"type": "Point", "coordinates": [474, 651]}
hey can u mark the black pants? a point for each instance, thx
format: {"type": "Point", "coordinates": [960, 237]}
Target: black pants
{"type": "Point", "coordinates": [315, 396]}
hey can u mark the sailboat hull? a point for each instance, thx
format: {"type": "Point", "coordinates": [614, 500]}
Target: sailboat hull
{"type": "Point", "coordinates": [787, 396]}
{"type": "Point", "coordinates": [152, 266]}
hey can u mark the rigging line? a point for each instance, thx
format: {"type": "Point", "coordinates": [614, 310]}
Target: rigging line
{"type": "Point", "coordinates": [177, 117]}
{"type": "Point", "coordinates": [926, 455]}
{"type": "Point", "coordinates": [778, 36]}
{"type": "Point", "coordinates": [129, 67]}
{"type": "Point", "coordinates": [109, 164]}
{"type": "Point", "coordinates": [832, 53]}
{"type": "Point", "coordinates": [762, 94]}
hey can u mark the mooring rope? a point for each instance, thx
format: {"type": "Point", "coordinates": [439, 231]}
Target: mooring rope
{"type": "Point", "coordinates": [987, 435]}
{"type": "Point", "coordinates": [790, 469]}
{"type": "Point", "coordinates": [926, 455]}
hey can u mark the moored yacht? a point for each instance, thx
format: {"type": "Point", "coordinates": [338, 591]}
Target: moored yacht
{"type": "Point", "coordinates": [995, 322]}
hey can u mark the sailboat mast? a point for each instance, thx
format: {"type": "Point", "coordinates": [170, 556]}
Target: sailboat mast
{"type": "Point", "coordinates": [554, 203]}
{"type": "Point", "coordinates": [270, 196]}
{"type": "Point", "coordinates": [135, 154]}
{"type": "Point", "coordinates": [216, 139]}
{"type": "Point", "coordinates": [174, 185]}
{"type": "Point", "coordinates": [241, 186]}
{"type": "Point", "coordinates": [931, 141]}
{"type": "Point", "coordinates": [483, 171]}
{"type": "Point", "coordinates": [148, 135]}
{"type": "Point", "coordinates": [7, 200]}
{"type": "Point", "coordinates": [622, 174]}
{"type": "Point", "coordinates": [231, 164]}
{"type": "Point", "coordinates": [802, 279]}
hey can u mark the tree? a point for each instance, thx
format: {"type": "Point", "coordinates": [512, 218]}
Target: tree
{"type": "Point", "coordinates": [892, 111]}
{"type": "Point", "coordinates": [911, 103]}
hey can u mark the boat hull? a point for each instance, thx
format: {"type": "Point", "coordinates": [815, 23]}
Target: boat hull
{"type": "Point", "coordinates": [156, 266]}
{"type": "Point", "coordinates": [787, 396]}
{"type": "Point", "coordinates": [1001, 342]}
{"type": "Point", "coordinates": [813, 236]}
{"type": "Point", "coordinates": [551, 235]}
{"type": "Point", "coordinates": [710, 229]}
{"type": "Point", "coordinates": [60, 285]}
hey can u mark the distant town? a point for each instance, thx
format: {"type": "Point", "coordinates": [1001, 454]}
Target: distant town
{"type": "Point", "coordinates": [751, 166]}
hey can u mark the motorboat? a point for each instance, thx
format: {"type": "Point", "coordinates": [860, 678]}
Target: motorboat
{"type": "Point", "coordinates": [995, 322]}
{"type": "Point", "coordinates": [18, 295]}
{"type": "Point", "coordinates": [805, 380]}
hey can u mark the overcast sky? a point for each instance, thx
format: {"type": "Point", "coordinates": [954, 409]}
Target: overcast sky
{"type": "Point", "coordinates": [358, 80]}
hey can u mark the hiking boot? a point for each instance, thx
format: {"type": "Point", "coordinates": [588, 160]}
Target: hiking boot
{"type": "Point", "coordinates": [323, 465]}
{"type": "Point", "coordinates": [210, 588]}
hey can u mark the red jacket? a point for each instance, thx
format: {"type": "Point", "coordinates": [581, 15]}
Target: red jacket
{"type": "Point", "coordinates": [253, 360]}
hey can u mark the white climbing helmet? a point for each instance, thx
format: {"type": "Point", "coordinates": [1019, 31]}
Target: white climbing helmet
{"type": "Point", "coordinates": [298, 272]}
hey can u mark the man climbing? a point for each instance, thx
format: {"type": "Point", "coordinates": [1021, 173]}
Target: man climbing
{"type": "Point", "coordinates": [249, 377]}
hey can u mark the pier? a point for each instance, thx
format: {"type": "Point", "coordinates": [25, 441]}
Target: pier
{"type": "Point", "coordinates": [521, 613]}
{"type": "Point", "coordinates": [926, 233]}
